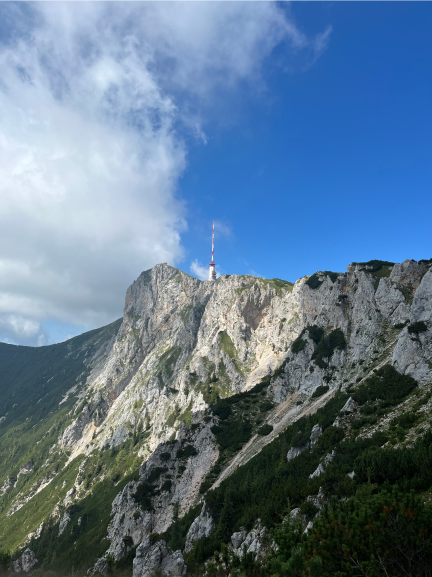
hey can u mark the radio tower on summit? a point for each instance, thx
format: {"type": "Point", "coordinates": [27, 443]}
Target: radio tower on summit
{"type": "Point", "coordinates": [212, 270]}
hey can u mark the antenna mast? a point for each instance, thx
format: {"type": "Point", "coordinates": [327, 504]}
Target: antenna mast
{"type": "Point", "coordinates": [212, 270]}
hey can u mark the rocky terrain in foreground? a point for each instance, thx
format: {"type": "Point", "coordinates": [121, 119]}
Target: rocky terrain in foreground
{"type": "Point", "coordinates": [217, 416]}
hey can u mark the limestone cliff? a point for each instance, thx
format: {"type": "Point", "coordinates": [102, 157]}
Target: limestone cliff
{"type": "Point", "coordinates": [184, 343]}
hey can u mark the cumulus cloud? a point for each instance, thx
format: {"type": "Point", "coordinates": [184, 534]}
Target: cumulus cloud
{"type": "Point", "coordinates": [95, 102]}
{"type": "Point", "coordinates": [198, 270]}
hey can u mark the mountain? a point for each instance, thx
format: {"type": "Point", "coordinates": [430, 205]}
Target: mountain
{"type": "Point", "coordinates": [191, 422]}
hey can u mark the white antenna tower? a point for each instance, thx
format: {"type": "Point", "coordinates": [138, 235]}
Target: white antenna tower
{"type": "Point", "coordinates": [212, 270]}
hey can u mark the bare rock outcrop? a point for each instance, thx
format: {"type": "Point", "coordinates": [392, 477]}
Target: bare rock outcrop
{"type": "Point", "coordinates": [157, 556]}
{"type": "Point", "coordinates": [202, 526]}
{"type": "Point", "coordinates": [25, 563]}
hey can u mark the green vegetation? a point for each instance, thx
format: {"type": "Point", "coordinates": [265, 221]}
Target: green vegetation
{"type": "Point", "coordinates": [83, 542]}
{"type": "Point", "coordinates": [326, 345]}
{"type": "Point", "coordinates": [238, 416]}
{"type": "Point", "coordinates": [387, 534]}
{"type": "Point", "coordinates": [265, 430]}
{"type": "Point", "coordinates": [227, 346]}
{"type": "Point", "coordinates": [319, 391]}
{"type": "Point", "coordinates": [279, 285]}
{"type": "Point", "coordinates": [374, 266]}
{"type": "Point", "coordinates": [378, 269]}
{"type": "Point", "coordinates": [418, 327]}
{"type": "Point", "coordinates": [386, 384]}
{"type": "Point", "coordinates": [167, 362]}
{"type": "Point", "coordinates": [314, 281]}
{"type": "Point", "coordinates": [268, 486]}
{"type": "Point", "coordinates": [298, 345]}
{"type": "Point", "coordinates": [41, 378]}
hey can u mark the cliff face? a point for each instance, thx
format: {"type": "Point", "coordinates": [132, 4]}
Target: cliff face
{"type": "Point", "coordinates": [184, 343]}
{"type": "Point", "coordinates": [183, 340]}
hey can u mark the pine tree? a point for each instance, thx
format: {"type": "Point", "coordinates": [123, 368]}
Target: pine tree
{"type": "Point", "coordinates": [224, 528]}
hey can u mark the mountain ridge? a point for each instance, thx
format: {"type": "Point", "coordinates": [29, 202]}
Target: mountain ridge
{"type": "Point", "coordinates": [154, 379]}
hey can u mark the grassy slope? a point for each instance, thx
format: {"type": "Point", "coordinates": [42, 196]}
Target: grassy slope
{"type": "Point", "coordinates": [33, 381]}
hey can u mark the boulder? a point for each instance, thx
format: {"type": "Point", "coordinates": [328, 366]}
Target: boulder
{"type": "Point", "coordinates": [25, 563]}
{"type": "Point", "coordinates": [238, 538]}
{"type": "Point", "coordinates": [350, 406]}
{"type": "Point", "coordinates": [295, 451]}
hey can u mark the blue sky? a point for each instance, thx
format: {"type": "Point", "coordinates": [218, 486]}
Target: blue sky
{"type": "Point", "coordinates": [304, 129]}
{"type": "Point", "coordinates": [330, 165]}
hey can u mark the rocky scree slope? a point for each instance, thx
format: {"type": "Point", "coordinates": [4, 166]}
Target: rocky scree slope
{"type": "Point", "coordinates": [181, 346]}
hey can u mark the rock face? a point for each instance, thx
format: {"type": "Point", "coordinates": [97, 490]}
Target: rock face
{"type": "Point", "coordinates": [370, 311]}
{"type": "Point", "coordinates": [315, 434]}
{"type": "Point", "coordinates": [157, 556]}
{"type": "Point", "coordinates": [350, 406]}
{"type": "Point", "coordinates": [202, 526]}
{"type": "Point", "coordinates": [183, 340]}
{"type": "Point", "coordinates": [25, 563]}
{"type": "Point", "coordinates": [295, 451]}
{"type": "Point", "coordinates": [252, 542]}
{"type": "Point", "coordinates": [173, 473]}
{"type": "Point", "coordinates": [183, 343]}
{"type": "Point", "coordinates": [63, 523]}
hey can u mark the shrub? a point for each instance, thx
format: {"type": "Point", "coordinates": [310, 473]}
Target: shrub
{"type": "Point", "coordinates": [406, 420]}
{"type": "Point", "coordinates": [386, 384]}
{"type": "Point", "coordinates": [233, 434]}
{"type": "Point", "coordinates": [314, 282]}
{"type": "Point", "coordinates": [384, 534]}
{"type": "Point", "coordinates": [298, 345]}
{"type": "Point", "coordinates": [315, 333]}
{"type": "Point", "coordinates": [418, 327]}
{"type": "Point", "coordinates": [165, 456]}
{"type": "Point", "coordinates": [309, 509]}
{"type": "Point", "coordinates": [374, 265]}
{"type": "Point", "coordinates": [327, 346]}
{"type": "Point", "coordinates": [186, 452]}
{"type": "Point", "coordinates": [5, 559]}
{"type": "Point", "coordinates": [265, 430]}
{"type": "Point", "coordinates": [319, 391]}
{"type": "Point", "coordinates": [330, 437]}
{"type": "Point", "coordinates": [166, 486]}
{"type": "Point", "coordinates": [266, 405]}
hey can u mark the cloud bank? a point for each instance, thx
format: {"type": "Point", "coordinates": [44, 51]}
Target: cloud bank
{"type": "Point", "coordinates": [97, 101]}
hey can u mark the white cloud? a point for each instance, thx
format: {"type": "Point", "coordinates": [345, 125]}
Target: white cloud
{"type": "Point", "coordinates": [198, 270]}
{"type": "Point", "coordinates": [94, 100]}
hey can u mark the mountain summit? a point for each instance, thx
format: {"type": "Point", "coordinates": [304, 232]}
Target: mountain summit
{"type": "Point", "coordinates": [134, 429]}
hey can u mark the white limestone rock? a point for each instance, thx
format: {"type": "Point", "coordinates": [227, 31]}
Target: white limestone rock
{"type": "Point", "coordinates": [350, 406]}
{"type": "Point", "coordinates": [151, 557]}
{"type": "Point", "coordinates": [202, 526]}
{"type": "Point", "coordinates": [25, 563]}
{"type": "Point", "coordinates": [64, 523]}
{"type": "Point", "coordinates": [413, 353]}
{"type": "Point", "coordinates": [237, 538]}
{"type": "Point", "coordinates": [322, 466]}
{"type": "Point", "coordinates": [315, 434]}
{"type": "Point", "coordinates": [252, 542]}
{"type": "Point", "coordinates": [295, 451]}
